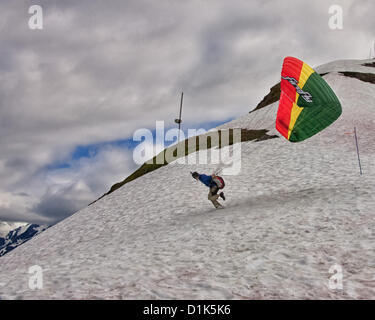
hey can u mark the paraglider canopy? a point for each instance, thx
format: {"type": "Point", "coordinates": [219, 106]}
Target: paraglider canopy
{"type": "Point", "coordinates": [307, 103]}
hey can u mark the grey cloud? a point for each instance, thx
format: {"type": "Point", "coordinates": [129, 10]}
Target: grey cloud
{"type": "Point", "coordinates": [83, 182]}
{"type": "Point", "coordinates": [61, 204]}
{"type": "Point", "coordinates": [10, 215]}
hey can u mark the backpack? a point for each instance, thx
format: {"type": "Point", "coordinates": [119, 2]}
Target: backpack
{"type": "Point", "coordinates": [219, 181]}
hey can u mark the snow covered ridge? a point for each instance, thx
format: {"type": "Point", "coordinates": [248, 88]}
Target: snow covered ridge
{"type": "Point", "coordinates": [19, 235]}
{"type": "Point", "coordinates": [362, 66]}
{"type": "Point", "coordinates": [296, 214]}
{"type": "Point", "coordinates": [210, 140]}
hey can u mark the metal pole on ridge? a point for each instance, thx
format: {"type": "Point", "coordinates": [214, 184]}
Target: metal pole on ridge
{"type": "Point", "coordinates": [179, 121]}
{"type": "Point", "coordinates": [356, 143]}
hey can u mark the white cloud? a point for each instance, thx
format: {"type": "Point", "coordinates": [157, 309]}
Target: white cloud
{"type": "Point", "coordinates": [55, 194]}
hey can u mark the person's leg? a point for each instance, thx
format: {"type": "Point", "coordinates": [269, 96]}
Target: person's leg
{"type": "Point", "coordinates": [221, 194]}
{"type": "Point", "coordinates": [212, 196]}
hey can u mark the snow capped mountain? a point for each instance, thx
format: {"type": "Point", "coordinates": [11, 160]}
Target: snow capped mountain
{"type": "Point", "coordinates": [6, 227]}
{"type": "Point", "coordinates": [18, 234]}
{"type": "Point", "coordinates": [299, 219]}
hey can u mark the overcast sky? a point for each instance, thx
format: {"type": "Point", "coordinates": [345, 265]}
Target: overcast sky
{"type": "Point", "coordinates": [73, 93]}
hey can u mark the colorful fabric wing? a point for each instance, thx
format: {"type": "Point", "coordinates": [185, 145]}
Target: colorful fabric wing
{"type": "Point", "coordinates": [307, 103]}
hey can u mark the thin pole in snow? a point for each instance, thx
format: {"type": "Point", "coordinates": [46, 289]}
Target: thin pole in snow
{"type": "Point", "coordinates": [356, 143]}
{"type": "Point", "coordinates": [179, 121]}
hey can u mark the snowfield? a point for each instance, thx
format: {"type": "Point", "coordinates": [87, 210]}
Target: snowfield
{"type": "Point", "coordinates": [293, 212]}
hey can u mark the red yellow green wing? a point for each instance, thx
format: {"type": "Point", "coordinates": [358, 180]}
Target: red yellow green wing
{"type": "Point", "coordinates": [307, 103]}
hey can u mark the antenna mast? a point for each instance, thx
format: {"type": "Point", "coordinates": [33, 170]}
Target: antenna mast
{"type": "Point", "coordinates": [179, 121]}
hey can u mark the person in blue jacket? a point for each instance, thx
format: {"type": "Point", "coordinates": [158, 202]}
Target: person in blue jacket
{"type": "Point", "coordinates": [214, 188]}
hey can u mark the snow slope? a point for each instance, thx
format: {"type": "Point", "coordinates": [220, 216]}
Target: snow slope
{"type": "Point", "coordinates": [293, 212]}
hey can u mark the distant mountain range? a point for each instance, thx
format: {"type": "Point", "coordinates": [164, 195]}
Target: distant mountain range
{"type": "Point", "coordinates": [13, 234]}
